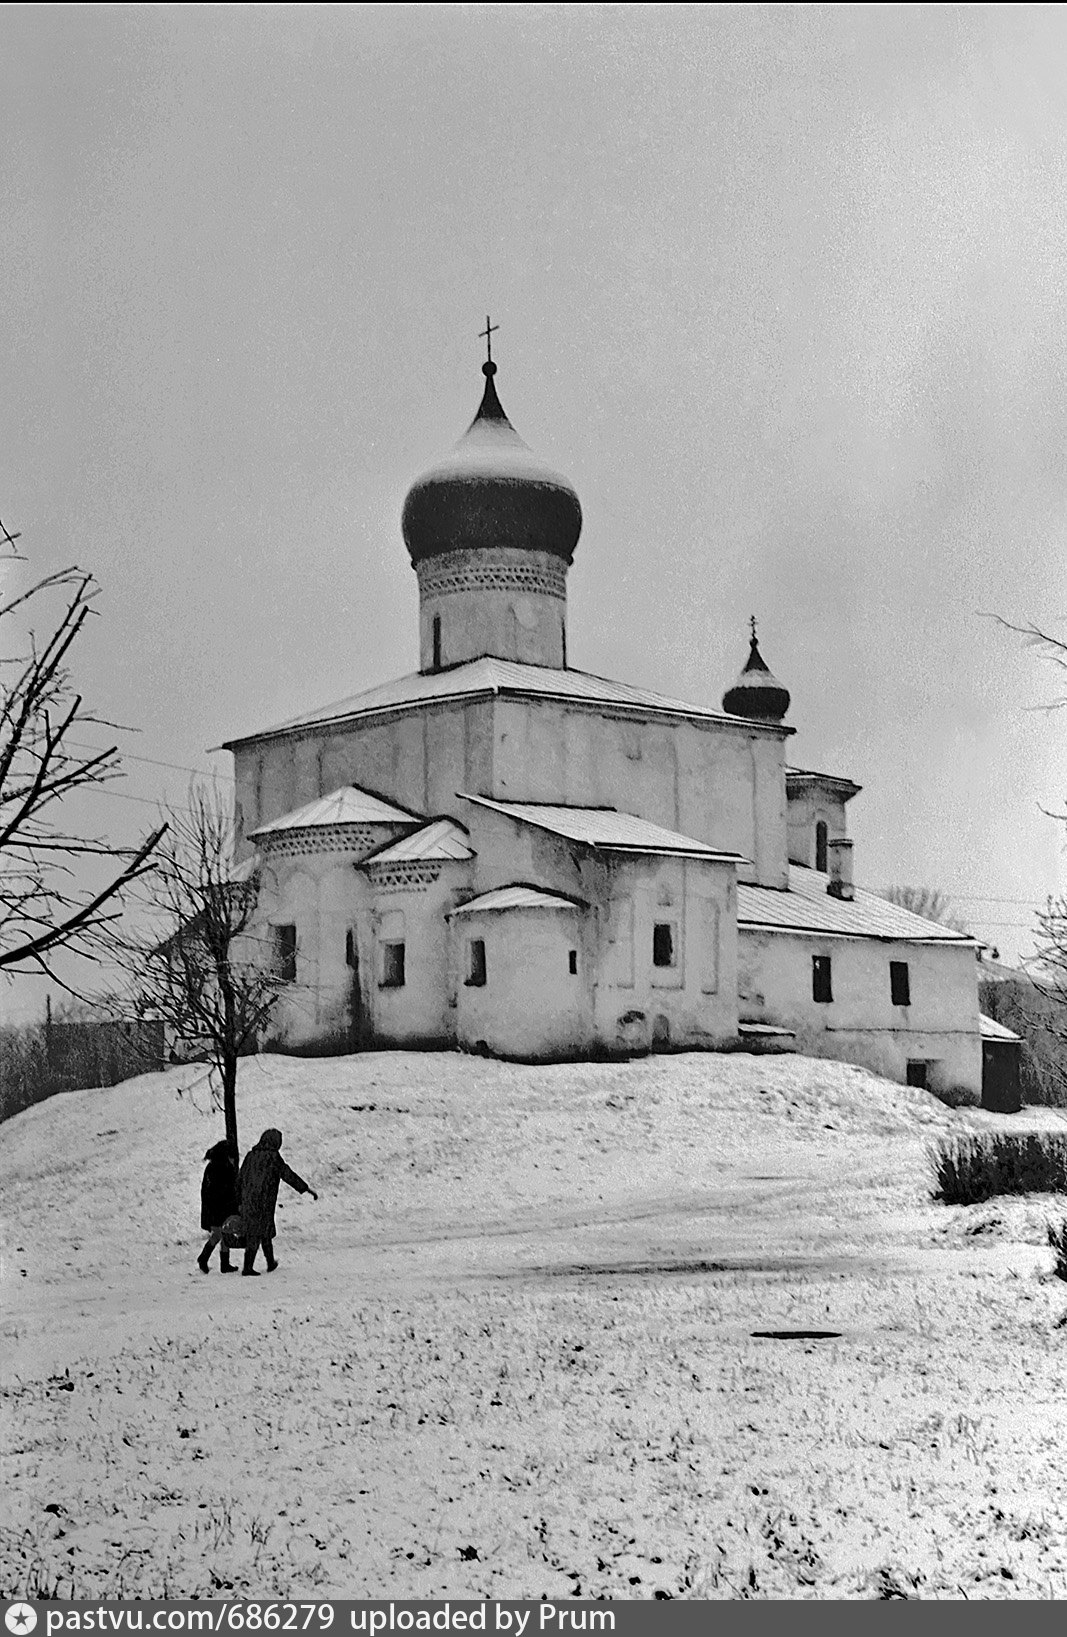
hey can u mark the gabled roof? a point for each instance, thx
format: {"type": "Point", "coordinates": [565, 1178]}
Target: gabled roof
{"type": "Point", "coordinates": [442, 841]}
{"type": "Point", "coordinates": [807, 907]}
{"type": "Point", "coordinates": [604, 828]}
{"type": "Point", "coordinates": [517, 896]}
{"type": "Point", "coordinates": [492, 678]}
{"type": "Point", "coordinates": [349, 805]}
{"type": "Point", "coordinates": [990, 1029]}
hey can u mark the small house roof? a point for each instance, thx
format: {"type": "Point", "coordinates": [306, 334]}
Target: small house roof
{"type": "Point", "coordinates": [349, 805]}
{"type": "Point", "coordinates": [990, 1029]}
{"type": "Point", "coordinates": [604, 827]}
{"type": "Point", "coordinates": [516, 896]}
{"type": "Point", "coordinates": [443, 840]}
{"type": "Point", "coordinates": [806, 907]}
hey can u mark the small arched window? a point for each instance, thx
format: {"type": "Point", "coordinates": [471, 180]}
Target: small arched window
{"type": "Point", "coordinates": [820, 846]}
{"type": "Point", "coordinates": [437, 642]}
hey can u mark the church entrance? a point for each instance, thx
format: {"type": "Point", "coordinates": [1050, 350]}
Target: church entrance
{"type": "Point", "coordinates": [357, 1013]}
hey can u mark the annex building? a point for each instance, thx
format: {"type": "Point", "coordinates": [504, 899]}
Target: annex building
{"type": "Point", "coordinates": [504, 854]}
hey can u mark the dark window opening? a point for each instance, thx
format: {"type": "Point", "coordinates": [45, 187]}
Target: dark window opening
{"type": "Point", "coordinates": [820, 846]}
{"type": "Point", "coordinates": [563, 638]}
{"type": "Point", "coordinates": [392, 966]}
{"type": "Point", "coordinates": [476, 963]}
{"type": "Point", "coordinates": [285, 953]}
{"type": "Point", "coordinates": [821, 988]}
{"type": "Point", "coordinates": [572, 963]}
{"type": "Point", "coordinates": [663, 944]}
{"type": "Point", "coordinates": [351, 949]}
{"type": "Point", "coordinates": [437, 642]}
{"type": "Point", "coordinates": [899, 984]}
{"type": "Point", "coordinates": [916, 1075]}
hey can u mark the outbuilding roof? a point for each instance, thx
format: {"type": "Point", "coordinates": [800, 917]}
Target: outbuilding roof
{"type": "Point", "coordinates": [442, 840]}
{"type": "Point", "coordinates": [990, 1029]}
{"type": "Point", "coordinates": [489, 678]}
{"type": "Point", "coordinates": [807, 907]}
{"type": "Point", "coordinates": [605, 828]}
{"type": "Point", "coordinates": [349, 805]}
{"type": "Point", "coordinates": [517, 896]}
{"type": "Point", "coordinates": [804, 778]}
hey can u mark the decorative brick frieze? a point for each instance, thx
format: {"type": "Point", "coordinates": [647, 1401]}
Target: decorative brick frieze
{"type": "Point", "coordinates": [402, 877]}
{"type": "Point", "coordinates": [489, 570]}
{"type": "Point", "coordinates": [328, 838]}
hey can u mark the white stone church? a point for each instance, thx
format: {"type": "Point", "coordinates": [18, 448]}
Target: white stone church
{"type": "Point", "coordinates": [504, 854]}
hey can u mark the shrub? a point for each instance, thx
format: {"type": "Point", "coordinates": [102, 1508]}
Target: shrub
{"type": "Point", "coordinates": [956, 1096]}
{"type": "Point", "coordinates": [1057, 1238]}
{"type": "Point", "coordinates": [968, 1170]}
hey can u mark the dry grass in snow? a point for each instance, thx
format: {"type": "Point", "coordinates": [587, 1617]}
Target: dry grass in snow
{"type": "Point", "coordinates": [511, 1350]}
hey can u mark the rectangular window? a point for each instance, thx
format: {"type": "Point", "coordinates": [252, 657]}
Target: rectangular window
{"type": "Point", "coordinates": [663, 951]}
{"type": "Point", "coordinates": [284, 953]}
{"type": "Point", "coordinates": [899, 985]}
{"type": "Point", "coordinates": [351, 949]}
{"type": "Point", "coordinates": [392, 966]}
{"type": "Point", "coordinates": [572, 963]}
{"type": "Point", "coordinates": [821, 989]}
{"type": "Point", "coordinates": [916, 1073]}
{"type": "Point", "coordinates": [476, 963]}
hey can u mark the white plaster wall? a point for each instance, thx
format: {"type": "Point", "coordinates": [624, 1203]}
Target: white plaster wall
{"type": "Point", "coordinates": [418, 759]}
{"type": "Point", "coordinates": [527, 626]}
{"type": "Point", "coordinates": [803, 813]}
{"type": "Point", "coordinates": [423, 1012]}
{"type": "Point", "coordinates": [720, 784]}
{"type": "Point", "coordinates": [861, 1025]}
{"type": "Point", "coordinates": [531, 1006]}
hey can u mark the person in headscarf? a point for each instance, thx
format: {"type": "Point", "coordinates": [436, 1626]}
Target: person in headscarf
{"type": "Point", "coordinates": [218, 1200]}
{"type": "Point", "coordinates": [257, 1195]}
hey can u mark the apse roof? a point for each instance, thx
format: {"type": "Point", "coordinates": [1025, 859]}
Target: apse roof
{"type": "Point", "coordinates": [443, 840]}
{"type": "Point", "coordinates": [349, 805]}
{"type": "Point", "coordinates": [488, 678]}
{"type": "Point", "coordinates": [606, 828]}
{"type": "Point", "coordinates": [807, 907]}
{"type": "Point", "coordinates": [796, 778]}
{"type": "Point", "coordinates": [517, 897]}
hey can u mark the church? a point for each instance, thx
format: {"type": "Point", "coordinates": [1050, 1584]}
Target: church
{"type": "Point", "coordinates": [502, 854]}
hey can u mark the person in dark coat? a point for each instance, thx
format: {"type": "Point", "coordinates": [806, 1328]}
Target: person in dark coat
{"type": "Point", "coordinates": [218, 1200]}
{"type": "Point", "coordinates": [257, 1195]}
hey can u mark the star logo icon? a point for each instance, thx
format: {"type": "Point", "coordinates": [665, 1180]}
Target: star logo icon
{"type": "Point", "coordinates": [20, 1618]}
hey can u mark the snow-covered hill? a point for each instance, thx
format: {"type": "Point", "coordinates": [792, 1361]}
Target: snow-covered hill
{"type": "Point", "coordinates": [511, 1351]}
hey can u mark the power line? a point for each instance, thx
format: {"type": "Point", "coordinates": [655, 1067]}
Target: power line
{"type": "Point", "coordinates": [150, 761]}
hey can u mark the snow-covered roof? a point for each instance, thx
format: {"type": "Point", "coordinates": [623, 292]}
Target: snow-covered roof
{"type": "Point", "coordinates": [441, 840]}
{"type": "Point", "coordinates": [349, 805]}
{"type": "Point", "coordinates": [990, 1029]}
{"type": "Point", "coordinates": [803, 778]}
{"type": "Point", "coordinates": [516, 897]}
{"type": "Point", "coordinates": [808, 907]}
{"type": "Point", "coordinates": [489, 678]}
{"type": "Point", "coordinates": [605, 827]}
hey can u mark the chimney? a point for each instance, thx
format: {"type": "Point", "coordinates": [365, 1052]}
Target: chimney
{"type": "Point", "coordinates": [840, 861]}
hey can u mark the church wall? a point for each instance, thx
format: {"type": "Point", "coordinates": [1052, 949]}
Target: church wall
{"type": "Point", "coordinates": [412, 907]}
{"type": "Point", "coordinates": [860, 1024]}
{"type": "Point", "coordinates": [694, 1002]}
{"type": "Point", "coordinates": [803, 813]}
{"type": "Point", "coordinates": [531, 1004]}
{"type": "Point", "coordinates": [418, 759]}
{"type": "Point", "coordinates": [718, 784]}
{"type": "Point", "coordinates": [497, 600]}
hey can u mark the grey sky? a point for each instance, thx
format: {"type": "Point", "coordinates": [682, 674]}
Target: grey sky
{"type": "Point", "coordinates": [781, 289]}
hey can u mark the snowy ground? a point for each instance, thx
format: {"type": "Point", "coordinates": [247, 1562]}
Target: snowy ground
{"type": "Point", "coordinates": [511, 1351]}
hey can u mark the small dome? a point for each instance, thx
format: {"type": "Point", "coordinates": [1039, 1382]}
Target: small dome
{"type": "Point", "coordinates": [756, 693]}
{"type": "Point", "coordinates": [491, 491]}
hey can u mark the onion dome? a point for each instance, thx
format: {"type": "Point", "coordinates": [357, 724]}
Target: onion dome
{"type": "Point", "coordinates": [756, 693]}
{"type": "Point", "coordinates": [491, 491]}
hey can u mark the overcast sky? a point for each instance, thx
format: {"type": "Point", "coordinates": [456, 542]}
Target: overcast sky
{"type": "Point", "coordinates": [780, 288]}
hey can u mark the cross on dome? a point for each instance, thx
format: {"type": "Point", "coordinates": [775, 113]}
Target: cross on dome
{"type": "Point", "coordinates": [488, 368]}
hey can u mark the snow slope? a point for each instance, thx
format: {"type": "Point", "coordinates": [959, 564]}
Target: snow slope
{"type": "Point", "coordinates": [510, 1352]}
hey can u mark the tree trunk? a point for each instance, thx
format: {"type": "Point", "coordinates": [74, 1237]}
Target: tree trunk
{"type": "Point", "coordinates": [229, 1102]}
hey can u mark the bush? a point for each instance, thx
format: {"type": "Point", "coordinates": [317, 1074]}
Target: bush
{"type": "Point", "coordinates": [969, 1170]}
{"type": "Point", "coordinates": [1057, 1238]}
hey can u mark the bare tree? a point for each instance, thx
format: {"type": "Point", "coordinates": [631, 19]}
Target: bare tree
{"type": "Point", "coordinates": [44, 904]}
{"type": "Point", "coordinates": [928, 902]}
{"type": "Point", "coordinates": [203, 972]}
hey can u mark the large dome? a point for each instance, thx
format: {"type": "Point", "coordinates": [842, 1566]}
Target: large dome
{"type": "Point", "coordinates": [491, 491]}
